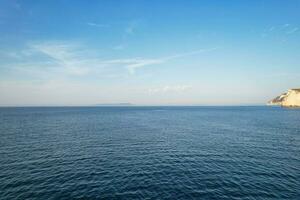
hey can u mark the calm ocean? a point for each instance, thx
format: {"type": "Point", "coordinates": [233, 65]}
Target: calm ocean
{"type": "Point", "coordinates": [150, 153]}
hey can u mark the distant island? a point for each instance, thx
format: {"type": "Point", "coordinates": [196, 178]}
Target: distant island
{"type": "Point", "coordinates": [289, 99]}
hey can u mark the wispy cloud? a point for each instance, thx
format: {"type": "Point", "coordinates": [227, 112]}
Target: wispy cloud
{"type": "Point", "coordinates": [97, 25]}
{"type": "Point", "coordinates": [272, 28]}
{"type": "Point", "coordinates": [285, 25]}
{"type": "Point", "coordinates": [294, 30]}
{"type": "Point", "coordinates": [78, 64]}
{"type": "Point", "coordinates": [69, 59]}
{"type": "Point", "coordinates": [138, 63]}
{"type": "Point", "coordinates": [64, 55]}
{"type": "Point", "coordinates": [280, 30]}
{"type": "Point", "coordinates": [190, 53]}
{"type": "Point", "coordinates": [119, 47]}
{"type": "Point", "coordinates": [169, 89]}
{"type": "Point", "coordinates": [267, 31]}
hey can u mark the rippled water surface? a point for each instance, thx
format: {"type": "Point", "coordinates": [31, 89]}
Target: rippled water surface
{"type": "Point", "coordinates": [150, 153]}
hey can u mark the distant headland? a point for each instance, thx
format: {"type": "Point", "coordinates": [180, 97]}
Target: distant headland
{"type": "Point", "coordinates": [289, 99]}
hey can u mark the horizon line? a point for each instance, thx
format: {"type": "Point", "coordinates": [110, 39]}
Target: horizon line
{"type": "Point", "coordinates": [138, 105]}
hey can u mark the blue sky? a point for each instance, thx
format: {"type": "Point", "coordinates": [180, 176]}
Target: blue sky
{"type": "Point", "coordinates": [148, 52]}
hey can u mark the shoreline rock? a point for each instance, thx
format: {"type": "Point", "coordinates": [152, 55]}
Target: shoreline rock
{"type": "Point", "coordinates": [289, 99]}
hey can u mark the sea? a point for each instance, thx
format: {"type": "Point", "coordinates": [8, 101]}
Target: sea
{"type": "Point", "coordinates": [150, 152]}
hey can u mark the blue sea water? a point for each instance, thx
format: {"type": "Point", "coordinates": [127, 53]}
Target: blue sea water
{"type": "Point", "coordinates": [150, 153]}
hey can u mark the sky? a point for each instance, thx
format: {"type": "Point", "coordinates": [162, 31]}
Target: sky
{"type": "Point", "coordinates": [170, 52]}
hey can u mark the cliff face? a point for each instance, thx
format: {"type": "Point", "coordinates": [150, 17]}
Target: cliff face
{"type": "Point", "coordinates": [289, 99]}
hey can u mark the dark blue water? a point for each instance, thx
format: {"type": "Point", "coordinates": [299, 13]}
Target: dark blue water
{"type": "Point", "coordinates": [150, 153]}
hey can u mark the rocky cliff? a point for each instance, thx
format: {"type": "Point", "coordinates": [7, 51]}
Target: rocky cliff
{"type": "Point", "coordinates": [288, 99]}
